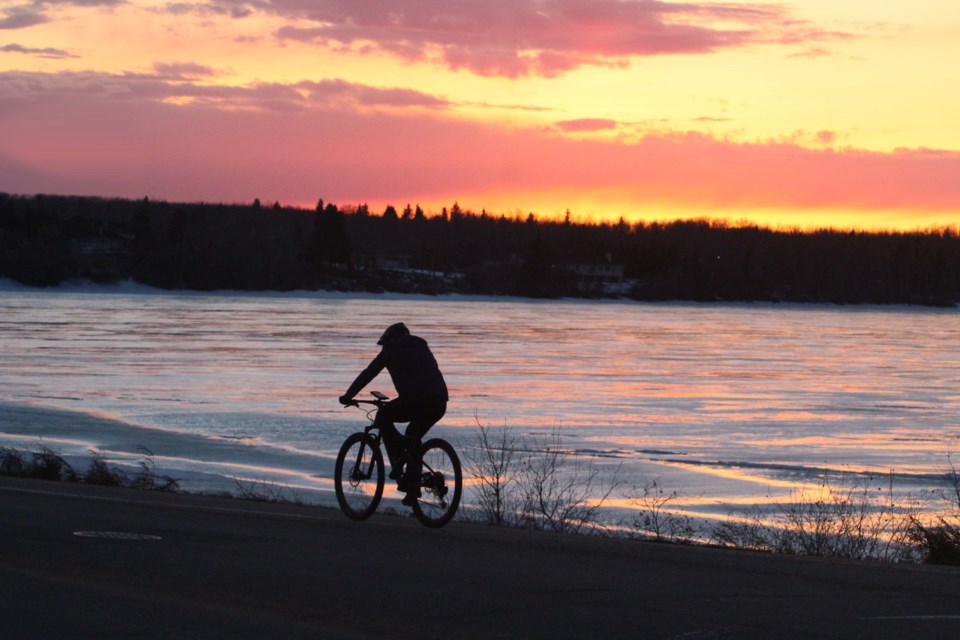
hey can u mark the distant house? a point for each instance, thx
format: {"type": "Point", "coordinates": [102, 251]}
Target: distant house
{"type": "Point", "coordinates": [606, 272]}
{"type": "Point", "coordinates": [597, 273]}
{"type": "Point", "coordinates": [101, 249]}
{"type": "Point", "coordinates": [393, 263]}
{"type": "Point", "coordinates": [592, 277]}
{"type": "Point", "coordinates": [380, 262]}
{"type": "Point", "coordinates": [99, 235]}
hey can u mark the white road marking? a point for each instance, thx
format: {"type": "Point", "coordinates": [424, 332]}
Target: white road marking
{"type": "Point", "coordinates": [116, 535]}
{"type": "Point", "coordinates": [922, 617]}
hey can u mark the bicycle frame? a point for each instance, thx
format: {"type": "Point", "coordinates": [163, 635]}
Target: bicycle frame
{"type": "Point", "coordinates": [441, 485]}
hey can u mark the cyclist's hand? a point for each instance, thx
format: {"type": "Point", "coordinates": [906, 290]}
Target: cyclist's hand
{"type": "Point", "coordinates": [345, 401]}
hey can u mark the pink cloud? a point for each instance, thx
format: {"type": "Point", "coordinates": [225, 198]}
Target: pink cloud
{"type": "Point", "coordinates": [21, 18]}
{"type": "Point", "coordinates": [710, 119]}
{"type": "Point", "coordinates": [327, 90]}
{"type": "Point", "coordinates": [44, 52]}
{"type": "Point", "coordinates": [826, 137]}
{"type": "Point", "coordinates": [32, 13]}
{"type": "Point", "coordinates": [586, 124]}
{"type": "Point", "coordinates": [228, 8]}
{"type": "Point", "coordinates": [94, 143]}
{"type": "Point", "coordinates": [812, 52]}
{"type": "Point", "coordinates": [532, 37]}
{"type": "Point", "coordinates": [172, 81]}
{"type": "Point", "coordinates": [183, 70]}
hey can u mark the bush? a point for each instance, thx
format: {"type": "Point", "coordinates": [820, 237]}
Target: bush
{"type": "Point", "coordinates": [49, 465]}
{"type": "Point", "coordinates": [11, 462]}
{"type": "Point", "coordinates": [493, 464]}
{"type": "Point", "coordinates": [536, 485]}
{"type": "Point", "coordinates": [46, 464]}
{"type": "Point", "coordinates": [654, 518]}
{"type": "Point", "coordinates": [100, 474]}
{"type": "Point", "coordinates": [148, 479]}
{"type": "Point", "coordinates": [260, 490]}
{"type": "Point", "coordinates": [842, 520]}
{"type": "Point", "coordinates": [940, 540]}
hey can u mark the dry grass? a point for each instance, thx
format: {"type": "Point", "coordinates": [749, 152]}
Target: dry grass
{"type": "Point", "coordinates": [939, 538]}
{"type": "Point", "coordinates": [655, 519]}
{"type": "Point", "coordinates": [842, 518]}
{"type": "Point", "coordinates": [492, 463]}
{"type": "Point", "coordinates": [535, 483]}
{"type": "Point", "coordinates": [261, 490]}
{"type": "Point", "coordinates": [46, 464]}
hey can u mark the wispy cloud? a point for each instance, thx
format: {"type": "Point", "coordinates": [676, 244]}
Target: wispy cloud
{"type": "Point", "coordinates": [227, 8]}
{"type": "Point", "coordinates": [508, 107]}
{"type": "Point", "coordinates": [28, 14]}
{"type": "Point", "coordinates": [183, 71]}
{"type": "Point", "coordinates": [812, 52]}
{"type": "Point", "coordinates": [586, 124]}
{"type": "Point", "coordinates": [514, 38]}
{"type": "Point", "coordinates": [21, 17]}
{"type": "Point", "coordinates": [179, 83]}
{"type": "Point", "coordinates": [328, 91]}
{"type": "Point", "coordinates": [45, 52]}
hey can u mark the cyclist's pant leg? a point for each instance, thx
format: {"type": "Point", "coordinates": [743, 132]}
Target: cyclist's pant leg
{"type": "Point", "coordinates": [428, 414]}
{"type": "Point", "coordinates": [392, 440]}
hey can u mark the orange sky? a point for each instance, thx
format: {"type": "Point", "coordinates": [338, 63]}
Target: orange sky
{"type": "Point", "coordinates": [810, 113]}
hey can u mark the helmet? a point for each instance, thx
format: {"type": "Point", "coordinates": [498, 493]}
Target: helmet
{"type": "Point", "coordinates": [393, 332]}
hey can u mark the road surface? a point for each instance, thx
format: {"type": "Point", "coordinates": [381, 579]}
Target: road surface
{"type": "Point", "coordinates": [199, 567]}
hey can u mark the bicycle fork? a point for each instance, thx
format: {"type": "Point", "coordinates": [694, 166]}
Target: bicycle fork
{"type": "Point", "coordinates": [359, 472]}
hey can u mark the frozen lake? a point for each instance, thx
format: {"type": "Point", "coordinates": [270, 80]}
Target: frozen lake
{"type": "Point", "coordinates": [726, 404]}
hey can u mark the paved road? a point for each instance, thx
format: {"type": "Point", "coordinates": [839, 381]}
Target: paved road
{"type": "Point", "coordinates": [232, 569]}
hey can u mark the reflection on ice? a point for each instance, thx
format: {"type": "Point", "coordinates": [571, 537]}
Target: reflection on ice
{"type": "Point", "coordinates": [728, 403]}
{"type": "Point", "coordinates": [201, 463]}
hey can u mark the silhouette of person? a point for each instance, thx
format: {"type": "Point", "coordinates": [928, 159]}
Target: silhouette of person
{"type": "Point", "coordinates": [421, 399]}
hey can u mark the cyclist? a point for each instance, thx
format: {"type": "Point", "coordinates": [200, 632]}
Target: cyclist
{"type": "Point", "coordinates": [421, 399]}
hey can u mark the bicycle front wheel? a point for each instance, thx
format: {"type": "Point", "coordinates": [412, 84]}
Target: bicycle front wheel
{"type": "Point", "coordinates": [358, 476]}
{"type": "Point", "coordinates": [441, 483]}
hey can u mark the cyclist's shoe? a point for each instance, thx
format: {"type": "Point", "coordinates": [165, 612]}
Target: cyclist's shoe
{"type": "Point", "coordinates": [412, 494]}
{"type": "Point", "coordinates": [398, 463]}
{"type": "Point", "coordinates": [407, 482]}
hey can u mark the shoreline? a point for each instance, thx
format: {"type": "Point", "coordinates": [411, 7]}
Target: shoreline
{"type": "Point", "coordinates": [209, 462]}
{"type": "Point", "coordinates": [93, 462]}
{"type": "Point", "coordinates": [193, 459]}
{"type": "Point", "coordinates": [132, 287]}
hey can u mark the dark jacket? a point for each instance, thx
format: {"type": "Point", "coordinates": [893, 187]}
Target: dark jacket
{"type": "Point", "coordinates": [412, 367]}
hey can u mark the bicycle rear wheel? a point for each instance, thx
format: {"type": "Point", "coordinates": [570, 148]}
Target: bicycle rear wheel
{"type": "Point", "coordinates": [441, 483]}
{"type": "Point", "coordinates": [358, 476]}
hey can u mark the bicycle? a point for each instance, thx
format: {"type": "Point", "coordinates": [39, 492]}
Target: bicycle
{"type": "Point", "coordinates": [359, 479]}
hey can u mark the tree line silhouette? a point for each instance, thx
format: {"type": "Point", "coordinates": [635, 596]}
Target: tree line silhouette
{"type": "Point", "coordinates": [46, 240]}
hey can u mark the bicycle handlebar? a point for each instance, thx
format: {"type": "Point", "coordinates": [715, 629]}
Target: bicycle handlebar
{"type": "Point", "coordinates": [357, 403]}
{"type": "Point", "coordinates": [378, 401]}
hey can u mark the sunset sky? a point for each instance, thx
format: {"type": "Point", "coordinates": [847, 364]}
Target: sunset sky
{"type": "Point", "coordinates": [804, 112]}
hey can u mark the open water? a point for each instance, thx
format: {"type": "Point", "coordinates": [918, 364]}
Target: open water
{"type": "Point", "coordinates": [725, 404]}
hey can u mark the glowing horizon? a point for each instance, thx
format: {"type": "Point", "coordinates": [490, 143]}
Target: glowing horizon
{"type": "Point", "coordinates": [807, 114]}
